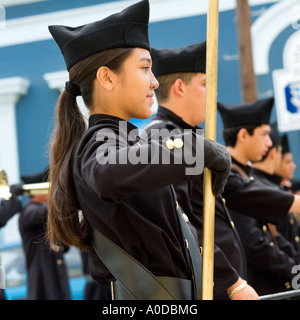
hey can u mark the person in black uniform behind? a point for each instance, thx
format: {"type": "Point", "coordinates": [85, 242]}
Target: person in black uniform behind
{"type": "Point", "coordinates": [47, 271]}
{"type": "Point", "coordinates": [130, 202]}
{"type": "Point", "coordinates": [8, 208]}
{"type": "Point", "coordinates": [181, 98]}
{"type": "Point", "coordinates": [282, 254]}
{"type": "Point", "coordinates": [287, 166]}
{"type": "Point", "coordinates": [285, 173]}
{"type": "Point", "coordinates": [247, 137]}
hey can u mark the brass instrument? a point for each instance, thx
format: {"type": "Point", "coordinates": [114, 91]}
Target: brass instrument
{"type": "Point", "coordinates": [34, 189]}
{"type": "Point", "coordinates": [4, 187]}
{"type": "Point", "coordinates": [31, 189]}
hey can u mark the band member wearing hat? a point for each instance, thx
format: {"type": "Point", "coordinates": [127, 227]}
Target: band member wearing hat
{"type": "Point", "coordinates": [287, 166]}
{"type": "Point", "coordinates": [247, 137]}
{"type": "Point", "coordinates": [181, 97]}
{"type": "Point", "coordinates": [284, 174]}
{"type": "Point", "coordinates": [269, 252]}
{"type": "Point", "coordinates": [47, 271]}
{"type": "Point", "coordinates": [129, 205]}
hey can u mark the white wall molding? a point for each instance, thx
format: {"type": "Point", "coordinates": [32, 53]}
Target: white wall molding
{"type": "Point", "coordinates": [56, 81]}
{"type": "Point", "coordinates": [11, 91]}
{"type": "Point", "coordinates": [35, 28]}
{"type": "Point", "coordinates": [291, 52]}
{"type": "Point", "coordinates": [266, 29]}
{"type": "Point", "coordinates": [9, 3]}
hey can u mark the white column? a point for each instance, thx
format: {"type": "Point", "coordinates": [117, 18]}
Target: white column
{"type": "Point", "coordinates": [57, 80]}
{"type": "Point", "coordinates": [11, 90]}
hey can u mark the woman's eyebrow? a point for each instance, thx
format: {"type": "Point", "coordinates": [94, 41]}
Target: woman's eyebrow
{"type": "Point", "coordinates": [146, 59]}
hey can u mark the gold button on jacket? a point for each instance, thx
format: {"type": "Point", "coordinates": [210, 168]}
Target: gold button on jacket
{"type": "Point", "coordinates": [178, 143]}
{"type": "Point", "coordinates": [170, 144]}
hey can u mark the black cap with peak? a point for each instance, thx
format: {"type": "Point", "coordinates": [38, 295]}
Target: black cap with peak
{"type": "Point", "coordinates": [274, 135]}
{"type": "Point", "coordinates": [257, 112]}
{"type": "Point", "coordinates": [36, 177]}
{"type": "Point", "coordinates": [285, 144]}
{"type": "Point", "coordinates": [191, 58]}
{"type": "Point", "coordinates": [295, 185]}
{"type": "Point", "coordinates": [128, 28]}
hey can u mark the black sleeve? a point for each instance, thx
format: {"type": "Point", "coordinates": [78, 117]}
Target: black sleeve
{"type": "Point", "coordinates": [8, 208]}
{"type": "Point", "coordinates": [114, 174]}
{"type": "Point", "coordinates": [254, 199]}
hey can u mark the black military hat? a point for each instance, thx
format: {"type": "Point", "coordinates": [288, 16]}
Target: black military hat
{"type": "Point", "coordinates": [128, 28]}
{"type": "Point", "coordinates": [37, 177]}
{"type": "Point", "coordinates": [285, 144]}
{"type": "Point", "coordinates": [274, 135]}
{"type": "Point", "coordinates": [295, 185]}
{"type": "Point", "coordinates": [257, 112]}
{"type": "Point", "coordinates": [186, 59]}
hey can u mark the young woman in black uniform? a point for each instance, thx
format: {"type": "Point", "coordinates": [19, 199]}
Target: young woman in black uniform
{"type": "Point", "coordinates": [94, 171]}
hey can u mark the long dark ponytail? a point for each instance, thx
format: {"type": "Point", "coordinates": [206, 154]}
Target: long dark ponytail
{"type": "Point", "coordinates": [64, 223]}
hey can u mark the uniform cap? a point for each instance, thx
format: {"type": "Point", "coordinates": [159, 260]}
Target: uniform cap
{"type": "Point", "coordinates": [295, 185]}
{"type": "Point", "coordinates": [257, 113]}
{"type": "Point", "coordinates": [274, 135]}
{"type": "Point", "coordinates": [36, 177]}
{"type": "Point", "coordinates": [186, 59]}
{"type": "Point", "coordinates": [285, 144]}
{"type": "Point", "coordinates": [128, 28]}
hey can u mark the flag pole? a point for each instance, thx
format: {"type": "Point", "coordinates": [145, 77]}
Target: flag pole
{"type": "Point", "coordinates": [210, 133]}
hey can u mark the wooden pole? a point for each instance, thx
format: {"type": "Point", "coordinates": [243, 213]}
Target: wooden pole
{"type": "Point", "coordinates": [210, 133]}
{"type": "Point", "coordinates": [248, 78]}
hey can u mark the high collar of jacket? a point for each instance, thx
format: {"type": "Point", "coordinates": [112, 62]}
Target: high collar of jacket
{"type": "Point", "coordinates": [274, 178]}
{"type": "Point", "coordinates": [167, 114]}
{"type": "Point", "coordinates": [124, 126]}
{"type": "Point", "coordinates": [246, 168]}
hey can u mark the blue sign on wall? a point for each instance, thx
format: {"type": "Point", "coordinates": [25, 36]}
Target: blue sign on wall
{"type": "Point", "coordinates": [292, 96]}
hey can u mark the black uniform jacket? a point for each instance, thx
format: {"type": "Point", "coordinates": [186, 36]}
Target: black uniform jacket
{"type": "Point", "coordinates": [250, 197]}
{"type": "Point", "coordinates": [47, 272]}
{"type": "Point", "coordinates": [266, 264]}
{"type": "Point", "coordinates": [8, 208]}
{"type": "Point", "coordinates": [289, 227]}
{"type": "Point", "coordinates": [229, 262]}
{"type": "Point", "coordinates": [286, 237]}
{"type": "Point", "coordinates": [131, 202]}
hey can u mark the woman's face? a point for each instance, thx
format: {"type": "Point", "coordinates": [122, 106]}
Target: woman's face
{"type": "Point", "coordinates": [135, 85]}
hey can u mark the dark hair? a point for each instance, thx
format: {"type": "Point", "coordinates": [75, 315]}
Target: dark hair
{"type": "Point", "coordinates": [166, 81]}
{"type": "Point", "coordinates": [276, 142]}
{"type": "Point", "coordinates": [230, 134]}
{"type": "Point", "coordinates": [64, 224]}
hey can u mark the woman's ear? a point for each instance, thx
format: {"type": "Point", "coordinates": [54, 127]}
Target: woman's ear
{"type": "Point", "coordinates": [105, 77]}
